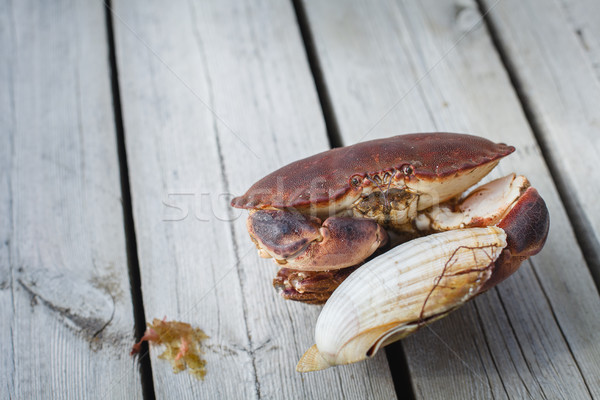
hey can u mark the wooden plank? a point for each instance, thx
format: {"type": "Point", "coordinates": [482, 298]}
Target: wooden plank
{"type": "Point", "coordinates": [65, 302]}
{"type": "Point", "coordinates": [215, 96]}
{"type": "Point", "coordinates": [555, 58]}
{"type": "Point", "coordinates": [428, 66]}
{"type": "Point", "coordinates": [554, 51]}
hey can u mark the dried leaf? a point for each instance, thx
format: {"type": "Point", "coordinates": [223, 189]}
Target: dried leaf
{"type": "Point", "coordinates": [183, 345]}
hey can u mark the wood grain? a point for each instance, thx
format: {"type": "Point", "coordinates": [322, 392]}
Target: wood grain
{"type": "Point", "coordinates": [216, 95]}
{"type": "Point", "coordinates": [554, 51]}
{"type": "Point", "coordinates": [65, 302]}
{"type": "Point", "coordinates": [410, 66]}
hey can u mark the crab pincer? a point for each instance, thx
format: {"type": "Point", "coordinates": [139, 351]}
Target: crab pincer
{"type": "Point", "coordinates": [303, 242]}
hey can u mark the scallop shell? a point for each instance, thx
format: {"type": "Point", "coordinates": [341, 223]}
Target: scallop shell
{"type": "Point", "coordinates": [400, 291]}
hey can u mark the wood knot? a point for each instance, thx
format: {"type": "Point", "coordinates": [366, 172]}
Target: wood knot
{"type": "Point", "coordinates": [467, 17]}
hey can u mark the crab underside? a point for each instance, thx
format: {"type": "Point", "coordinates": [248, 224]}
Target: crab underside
{"type": "Point", "coordinates": [330, 219]}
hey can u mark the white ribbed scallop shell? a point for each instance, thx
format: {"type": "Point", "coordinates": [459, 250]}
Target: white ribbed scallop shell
{"type": "Point", "coordinates": [398, 292]}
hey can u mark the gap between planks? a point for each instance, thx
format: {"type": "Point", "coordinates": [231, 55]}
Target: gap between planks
{"type": "Point", "coordinates": [130, 238]}
{"type": "Point", "coordinates": [331, 125]}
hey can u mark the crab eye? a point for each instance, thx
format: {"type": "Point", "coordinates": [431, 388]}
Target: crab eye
{"type": "Point", "coordinates": [407, 169]}
{"type": "Point", "coordinates": [355, 181]}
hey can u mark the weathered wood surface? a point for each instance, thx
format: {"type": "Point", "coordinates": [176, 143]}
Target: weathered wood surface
{"type": "Point", "coordinates": [215, 95]}
{"type": "Point", "coordinates": [554, 50]}
{"type": "Point", "coordinates": [65, 303]}
{"type": "Point", "coordinates": [392, 67]}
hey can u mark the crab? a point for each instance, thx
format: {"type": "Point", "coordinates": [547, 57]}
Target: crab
{"type": "Point", "coordinates": [322, 217]}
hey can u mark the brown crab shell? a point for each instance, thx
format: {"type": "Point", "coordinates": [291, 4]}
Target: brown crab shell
{"type": "Point", "coordinates": [326, 177]}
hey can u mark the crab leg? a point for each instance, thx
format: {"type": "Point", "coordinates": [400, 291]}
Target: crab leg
{"type": "Point", "coordinates": [310, 287]}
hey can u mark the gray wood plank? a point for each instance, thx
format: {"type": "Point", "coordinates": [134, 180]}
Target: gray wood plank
{"type": "Point", "coordinates": [554, 49]}
{"type": "Point", "coordinates": [394, 67]}
{"type": "Point", "coordinates": [65, 302]}
{"type": "Point", "coordinates": [215, 95]}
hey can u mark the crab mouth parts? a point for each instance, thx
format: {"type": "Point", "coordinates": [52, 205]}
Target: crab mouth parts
{"type": "Point", "coordinates": [392, 208]}
{"type": "Point", "coordinates": [380, 183]}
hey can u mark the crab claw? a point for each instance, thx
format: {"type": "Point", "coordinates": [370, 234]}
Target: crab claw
{"type": "Point", "coordinates": [301, 242]}
{"type": "Point", "coordinates": [526, 226]}
{"type": "Point", "coordinates": [509, 203]}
